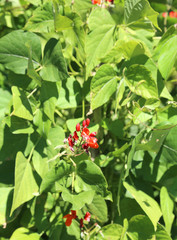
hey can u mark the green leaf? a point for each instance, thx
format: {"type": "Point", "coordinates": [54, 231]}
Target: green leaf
{"type": "Point", "coordinates": [100, 40]}
{"type": "Point", "coordinates": [14, 53]}
{"type": "Point", "coordinates": [82, 6]}
{"type": "Point", "coordinates": [69, 94]}
{"type": "Point", "coordinates": [161, 233]}
{"type": "Point", "coordinates": [79, 200]}
{"type": "Point", "coordinates": [167, 206]}
{"type": "Point", "coordinates": [124, 49]}
{"type": "Point", "coordinates": [21, 104]}
{"type": "Point", "coordinates": [25, 185]}
{"type": "Point", "coordinates": [148, 204]}
{"type": "Point", "coordinates": [42, 20]}
{"type": "Point", "coordinates": [140, 81]}
{"type": "Point", "coordinates": [140, 227]}
{"type": "Point", "coordinates": [20, 126]}
{"type": "Point", "coordinates": [54, 174]}
{"type": "Point", "coordinates": [138, 9]}
{"type": "Point", "coordinates": [90, 177]}
{"type": "Point", "coordinates": [62, 23]}
{"type": "Point", "coordinates": [49, 98]}
{"type": "Point", "coordinates": [54, 65]}
{"type": "Point", "coordinates": [156, 140]}
{"type": "Point", "coordinates": [56, 136]}
{"type": "Point", "coordinates": [24, 234]}
{"type": "Point", "coordinates": [111, 231]}
{"type": "Point", "coordinates": [166, 52]}
{"type": "Point", "coordinates": [42, 122]}
{"type": "Point", "coordinates": [4, 195]}
{"type": "Point", "coordinates": [5, 98]}
{"type": "Point", "coordinates": [103, 85]}
{"type": "Point", "coordinates": [71, 123]}
{"type": "Point", "coordinates": [98, 208]}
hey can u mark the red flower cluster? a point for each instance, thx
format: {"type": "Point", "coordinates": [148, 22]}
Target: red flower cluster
{"type": "Point", "coordinates": [86, 139]}
{"type": "Point", "coordinates": [171, 14]}
{"type": "Point", "coordinates": [99, 1]}
{"type": "Point", "coordinates": [70, 217]}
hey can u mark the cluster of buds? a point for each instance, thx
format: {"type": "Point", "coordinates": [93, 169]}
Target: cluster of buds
{"type": "Point", "coordinates": [82, 138]}
{"type": "Point", "coordinates": [99, 2]}
{"type": "Point", "coordinates": [171, 14]}
{"type": "Point", "coordinates": [70, 217]}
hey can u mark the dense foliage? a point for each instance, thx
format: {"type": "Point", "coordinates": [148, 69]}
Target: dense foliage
{"type": "Point", "coordinates": [88, 113]}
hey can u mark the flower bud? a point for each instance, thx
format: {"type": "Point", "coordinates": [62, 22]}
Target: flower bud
{"type": "Point", "coordinates": [84, 123]}
{"type": "Point", "coordinates": [87, 122]}
{"type": "Point", "coordinates": [78, 127]}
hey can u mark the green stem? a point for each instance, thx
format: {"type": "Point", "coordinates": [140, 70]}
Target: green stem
{"type": "Point", "coordinates": [32, 150]}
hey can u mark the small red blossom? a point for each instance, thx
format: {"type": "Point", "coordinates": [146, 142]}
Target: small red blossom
{"type": "Point", "coordinates": [87, 216]}
{"type": "Point", "coordinates": [164, 14]}
{"type": "Point", "coordinates": [78, 127]}
{"type": "Point", "coordinates": [70, 141]}
{"type": "Point", "coordinates": [81, 223]}
{"type": "Point", "coordinates": [96, 2]}
{"type": "Point", "coordinates": [84, 123]}
{"type": "Point", "coordinates": [70, 217]}
{"type": "Point", "coordinates": [90, 139]}
{"type": "Point", "coordinates": [173, 14]}
{"type": "Point", "coordinates": [75, 136]}
{"type": "Point", "coordinates": [87, 122]}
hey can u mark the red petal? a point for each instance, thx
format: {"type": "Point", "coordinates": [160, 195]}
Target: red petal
{"type": "Point", "coordinates": [68, 221]}
{"type": "Point", "coordinates": [87, 216]}
{"type": "Point", "coordinates": [87, 122]}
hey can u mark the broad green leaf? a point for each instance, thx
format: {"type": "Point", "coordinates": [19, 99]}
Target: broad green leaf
{"type": "Point", "coordinates": [82, 6]}
{"type": "Point", "coordinates": [156, 140]}
{"type": "Point", "coordinates": [42, 20]}
{"type": "Point", "coordinates": [78, 200]}
{"type": "Point", "coordinates": [53, 63]}
{"type": "Point", "coordinates": [54, 174]}
{"type": "Point", "coordinates": [42, 122]}
{"type": "Point", "coordinates": [135, 142]}
{"type": "Point", "coordinates": [5, 98]}
{"type": "Point", "coordinates": [40, 163]}
{"type": "Point", "coordinates": [103, 85]}
{"type": "Point", "coordinates": [56, 136]}
{"type": "Point", "coordinates": [90, 177]}
{"type": "Point", "coordinates": [138, 9]}
{"type": "Point", "coordinates": [71, 123]}
{"type": "Point", "coordinates": [166, 52]}
{"type": "Point", "coordinates": [167, 206]}
{"type": "Point", "coordinates": [31, 71]}
{"type": "Point", "coordinates": [140, 81]}
{"type": "Point", "coordinates": [14, 53]}
{"type": "Point", "coordinates": [21, 104]}
{"type": "Point", "coordinates": [24, 234]}
{"type": "Point", "coordinates": [140, 227]}
{"type": "Point", "coordinates": [48, 97]}
{"type": "Point", "coordinates": [124, 49]}
{"type": "Point", "coordinates": [148, 204]}
{"type": "Point", "coordinates": [20, 126]}
{"type": "Point", "coordinates": [4, 194]}
{"type": "Point", "coordinates": [25, 184]}
{"type": "Point", "coordinates": [62, 23]}
{"type": "Point", "coordinates": [98, 208]}
{"type": "Point", "coordinates": [111, 231]}
{"type": "Point", "coordinates": [100, 40]}
{"type": "Point", "coordinates": [75, 36]}
{"type": "Point", "coordinates": [161, 233]}
{"type": "Point", "coordinates": [69, 94]}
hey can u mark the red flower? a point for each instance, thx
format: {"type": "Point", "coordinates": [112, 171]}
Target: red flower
{"type": "Point", "coordinates": [78, 127]}
{"type": "Point", "coordinates": [70, 217]}
{"type": "Point", "coordinates": [164, 14]}
{"type": "Point", "coordinates": [70, 141]}
{"type": "Point", "coordinates": [87, 216]}
{"type": "Point", "coordinates": [96, 2]}
{"type": "Point", "coordinates": [84, 123]}
{"type": "Point", "coordinates": [89, 138]}
{"type": "Point", "coordinates": [87, 122]}
{"type": "Point", "coordinates": [173, 14]}
{"type": "Point", "coordinates": [75, 136]}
